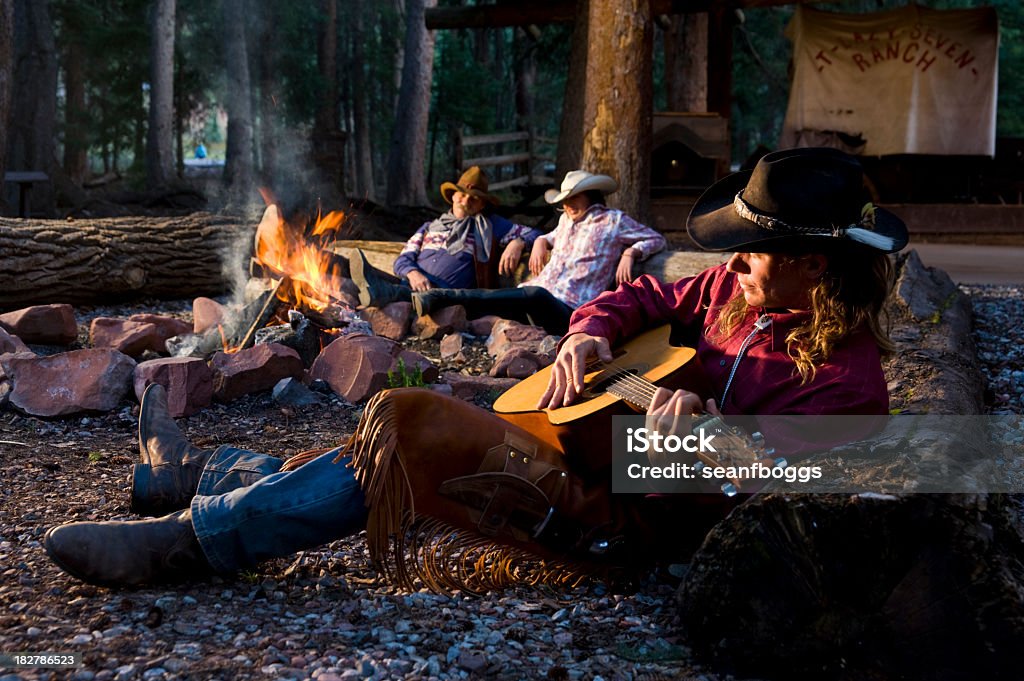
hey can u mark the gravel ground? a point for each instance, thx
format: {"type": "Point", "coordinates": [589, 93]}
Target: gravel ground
{"type": "Point", "coordinates": [999, 335]}
{"type": "Point", "coordinates": [324, 614]}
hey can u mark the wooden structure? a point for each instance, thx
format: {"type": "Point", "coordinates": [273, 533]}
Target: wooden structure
{"type": "Point", "coordinates": [511, 160]}
{"type": "Point", "coordinates": [25, 180]}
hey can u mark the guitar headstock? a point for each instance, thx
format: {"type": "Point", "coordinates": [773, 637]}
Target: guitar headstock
{"type": "Point", "coordinates": [734, 448]}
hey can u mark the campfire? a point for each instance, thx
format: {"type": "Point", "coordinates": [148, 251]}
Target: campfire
{"type": "Point", "coordinates": [297, 290]}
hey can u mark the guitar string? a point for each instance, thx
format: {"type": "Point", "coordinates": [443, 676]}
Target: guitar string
{"type": "Point", "coordinates": [622, 378]}
{"type": "Point", "coordinates": [629, 381]}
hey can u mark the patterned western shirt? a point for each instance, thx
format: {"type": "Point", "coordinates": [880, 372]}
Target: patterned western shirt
{"type": "Point", "coordinates": [585, 253]}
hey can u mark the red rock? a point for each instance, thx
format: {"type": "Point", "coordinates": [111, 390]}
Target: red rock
{"type": "Point", "coordinates": [188, 380]}
{"type": "Point", "coordinates": [516, 363]}
{"type": "Point", "coordinates": [446, 320]}
{"type": "Point", "coordinates": [42, 324]}
{"type": "Point", "coordinates": [451, 345]}
{"type": "Point", "coordinates": [131, 338]}
{"type": "Point", "coordinates": [253, 369]}
{"type": "Point", "coordinates": [357, 366]}
{"type": "Point", "coordinates": [167, 327]}
{"type": "Point", "coordinates": [470, 387]}
{"type": "Point", "coordinates": [482, 325]}
{"type": "Point", "coordinates": [10, 343]}
{"type": "Point", "coordinates": [414, 360]}
{"type": "Point", "coordinates": [207, 314]}
{"type": "Point", "coordinates": [391, 321]}
{"type": "Point", "coordinates": [507, 334]}
{"type": "Point", "coordinates": [95, 379]}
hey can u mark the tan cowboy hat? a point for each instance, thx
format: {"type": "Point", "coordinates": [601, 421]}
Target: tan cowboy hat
{"type": "Point", "coordinates": [472, 182]}
{"type": "Point", "coordinates": [579, 181]}
{"type": "Point", "coordinates": [794, 198]}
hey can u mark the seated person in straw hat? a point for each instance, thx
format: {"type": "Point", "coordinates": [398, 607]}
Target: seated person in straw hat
{"type": "Point", "coordinates": [457, 250]}
{"type": "Point", "coordinates": [790, 325]}
{"type": "Point", "coordinates": [592, 248]}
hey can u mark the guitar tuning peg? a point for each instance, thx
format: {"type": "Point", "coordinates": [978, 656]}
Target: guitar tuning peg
{"type": "Point", "coordinates": [729, 489]}
{"type": "Point", "coordinates": [781, 462]}
{"type": "Point", "coordinates": [768, 453]}
{"type": "Point", "coordinates": [757, 437]}
{"type": "Point", "coordinates": [699, 466]}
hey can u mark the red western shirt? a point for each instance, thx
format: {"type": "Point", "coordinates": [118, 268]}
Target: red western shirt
{"type": "Point", "coordinates": [766, 380]}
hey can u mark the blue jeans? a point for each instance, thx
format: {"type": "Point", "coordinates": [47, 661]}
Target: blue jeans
{"type": "Point", "coordinates": [245, 511]}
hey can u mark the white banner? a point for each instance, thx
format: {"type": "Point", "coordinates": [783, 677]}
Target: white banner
{"type": "Point", "coordinates": [907, 81]}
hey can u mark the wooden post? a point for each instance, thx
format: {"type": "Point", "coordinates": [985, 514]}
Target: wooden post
{"type": "Point", "coordinates": [618, 100]}
{"type": "Point", "coordinates": [720, 25]}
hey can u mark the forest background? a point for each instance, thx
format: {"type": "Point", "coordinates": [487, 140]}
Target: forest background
{"type": "Point", "coordinates": [357, 91]}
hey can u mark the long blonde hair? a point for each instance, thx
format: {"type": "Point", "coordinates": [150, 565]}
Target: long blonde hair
{"type": "Point", "coordinates": [849, 296]}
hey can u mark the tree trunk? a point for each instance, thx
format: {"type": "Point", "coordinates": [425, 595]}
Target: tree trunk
{"type": "Point", "coordinates": [526, 80]}
{"type": "Point", "coordinates": [570, 135]}
{"type": "Point", "coordinates": [406, 185]}
{"type": "Point", "coordinates": [327, 63]}
{"type": "Point", "coordinates": [363, 147]}
{"type": "Point", "coordinates": [51, 261]}
{"type": "Point", "coordinates": [270, 97]}
{"type": "Point", "coordinates": [686, 63]}
{"type": "Point", "coordinates": [160, 150]}
{"type": "Point", "coordinates": [238, 161]}
{"type": "Point", "coordinates": [6, 70]}
{"type": "Point", "coordinates": [33, 118]}
{"type": "Point", "coordinates": [76, 118]}
{"type": "Point", "coordinates": [328, 141]}
{"type": "Point", "coordinates": [618, 100]}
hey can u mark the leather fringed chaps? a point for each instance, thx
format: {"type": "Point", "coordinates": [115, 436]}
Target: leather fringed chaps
{"type": "Point", "coordinates": [418, 458]}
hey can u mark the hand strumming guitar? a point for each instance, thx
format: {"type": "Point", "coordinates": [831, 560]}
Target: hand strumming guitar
{"type": "Point", "coordinates": [570, 367]}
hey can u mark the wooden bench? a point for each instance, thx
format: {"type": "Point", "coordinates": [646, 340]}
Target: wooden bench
{"type": "Point", "coordinates": [25, 180]}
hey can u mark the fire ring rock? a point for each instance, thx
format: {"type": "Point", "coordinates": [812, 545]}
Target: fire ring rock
{"type": "Point", "coordinates": [253, 369]}
{"type": "Point", "coordinates": [95, 379]}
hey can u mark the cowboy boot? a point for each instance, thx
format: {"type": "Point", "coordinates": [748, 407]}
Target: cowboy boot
{"type": "Point", "coordinates": [120, 553]}
{"type": "Point", "coordinates": [375, 288]}
{"type": "Point", "coordinates": [167, 475]}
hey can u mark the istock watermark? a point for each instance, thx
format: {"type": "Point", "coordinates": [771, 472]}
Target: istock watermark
{"type": "Point", "coordinates": [819, 454]}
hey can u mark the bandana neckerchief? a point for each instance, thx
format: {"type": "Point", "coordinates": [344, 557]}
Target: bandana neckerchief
{"type": "Point", "coordinates": [459, 229]}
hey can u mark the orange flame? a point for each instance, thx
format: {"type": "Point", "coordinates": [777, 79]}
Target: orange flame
{"type": "Point", "coordinates": [286, 249]}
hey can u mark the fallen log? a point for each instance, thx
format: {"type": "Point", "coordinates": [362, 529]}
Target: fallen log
{"type": "Point", "coordinates": [667, 265]}
{"type": "Point", "coordinates": [86, 261]}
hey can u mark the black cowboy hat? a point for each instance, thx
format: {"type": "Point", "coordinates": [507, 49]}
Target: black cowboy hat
{"type": "Point", "coordinates": [794, 199]}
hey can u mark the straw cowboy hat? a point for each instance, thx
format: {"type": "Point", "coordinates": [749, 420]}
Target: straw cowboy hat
{"type": "Point", "coordinates": [794, 198]}
{"type": "Point", "coordinates": [473, 182]}
{"type": "Point", "coordinates": [579, 181]}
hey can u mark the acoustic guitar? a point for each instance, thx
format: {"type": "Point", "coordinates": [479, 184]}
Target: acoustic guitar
{"type": "Point", "coordinates": [583, 430]}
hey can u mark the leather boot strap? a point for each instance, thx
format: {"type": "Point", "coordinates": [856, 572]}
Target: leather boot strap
{"type": "Point", "coordinates": [511, 492]}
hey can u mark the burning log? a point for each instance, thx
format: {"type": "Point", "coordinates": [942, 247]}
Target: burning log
{"type": "Point", "coordinates": [270, 304]}
{"type": "Point", "coordinates": [48, 261]}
